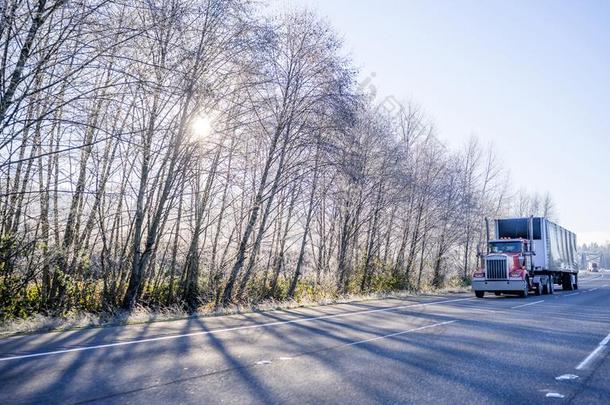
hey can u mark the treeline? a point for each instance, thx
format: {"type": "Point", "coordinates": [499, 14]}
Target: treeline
{"type": "Point", "coordinates": [603, 250]}
{"type": "Point", "coordinates": [193, 152]}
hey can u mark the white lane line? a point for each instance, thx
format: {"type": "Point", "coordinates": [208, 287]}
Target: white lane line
{"type": "Point", "coordinates": [527, 305]}
{"type": "Point", "coordinates": [594, 353]}
{"type": "Point", "coordinates": [493, 311]}
{"type": "Point", "coordinates": [593, 289]}
{"type": "Point", "coordinates": [569, 295]}
{"type": "Point", "coordinates": [566, 377]}
{"type": "Point", "coordinates": [401, 333]}
{"type": "Point", "coordinates": [236, 328]}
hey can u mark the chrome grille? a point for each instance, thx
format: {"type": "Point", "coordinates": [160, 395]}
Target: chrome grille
{"type": "Point", "coordinates": [496, 269]}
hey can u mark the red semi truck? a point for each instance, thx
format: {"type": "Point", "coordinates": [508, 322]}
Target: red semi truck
{"type": "Point", "coordinates": [526, 254]}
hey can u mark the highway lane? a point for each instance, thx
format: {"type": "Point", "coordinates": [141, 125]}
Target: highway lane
{"type": "Point", "coordinates": [426, 349]}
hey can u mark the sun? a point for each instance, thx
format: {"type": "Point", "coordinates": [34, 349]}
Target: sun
{"type": "Point", "coordinates": [202, 126]}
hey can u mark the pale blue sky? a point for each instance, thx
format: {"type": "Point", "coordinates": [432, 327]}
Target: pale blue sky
{"type": "Point", "coordinates": [533, 77]}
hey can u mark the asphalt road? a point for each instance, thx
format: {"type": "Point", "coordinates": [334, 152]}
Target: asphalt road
{"type": "Point", "coordinates": [450, 349]}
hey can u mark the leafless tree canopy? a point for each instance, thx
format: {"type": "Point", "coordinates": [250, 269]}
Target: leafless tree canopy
{"type": "Point", "coordinates": [194, 152]}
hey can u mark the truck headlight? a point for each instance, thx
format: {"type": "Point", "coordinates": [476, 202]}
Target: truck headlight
{"type": "Point", "coordinates": [518, 273]}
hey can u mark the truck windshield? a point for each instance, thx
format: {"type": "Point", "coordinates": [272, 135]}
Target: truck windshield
{"type": "Point", "coordinates": [505, 247]}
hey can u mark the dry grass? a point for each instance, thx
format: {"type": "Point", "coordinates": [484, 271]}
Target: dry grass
{"type": "Point", "coordinates": [40, 324]}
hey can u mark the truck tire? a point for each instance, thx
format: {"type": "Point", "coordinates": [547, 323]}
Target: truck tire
{"type": "Point", "coordinates": [567, 282]}
{"type": "Point", "coordinates": [551, 285]}
{"type": "Point", "coordinates": [545, 288]}
{"type": "Point", "coordinates": [524, 293]}
{"type": "Point", "coordinates": [575, 286]}
{"type": "Point", "coordinates": [479, 294]}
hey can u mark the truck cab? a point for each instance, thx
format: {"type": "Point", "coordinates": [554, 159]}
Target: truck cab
{"type": "Point", "coordinates": [504, 269]}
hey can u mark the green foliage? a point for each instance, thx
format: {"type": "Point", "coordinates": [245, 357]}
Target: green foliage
{"type": "Point", "coordinates": [306, 290]}
{"type": "Point", "coordinates": [22, 301]}
{"type": "Point", "coordinates": [16, 302]}
{"type": "Point", "coordinates": [459, 281]}
{"type": "Point", "coordinates": [80, 294]}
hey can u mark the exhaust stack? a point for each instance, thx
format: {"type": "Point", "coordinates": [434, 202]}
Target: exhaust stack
{"type": "Point", "coordinates": [487, 235]}
{"type": "Point", "coordinates": [530, 231]}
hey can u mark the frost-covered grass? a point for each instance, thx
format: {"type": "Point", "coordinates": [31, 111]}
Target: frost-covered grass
{"type": "Point", "coordinates": [39, 323]}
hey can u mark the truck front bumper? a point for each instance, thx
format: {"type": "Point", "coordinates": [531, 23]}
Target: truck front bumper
{"type": "Point", "coordinates": [498, 285]}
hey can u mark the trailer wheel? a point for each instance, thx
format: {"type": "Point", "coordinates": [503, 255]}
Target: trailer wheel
{"type": "Point", "coordinates": [575, 282]}
{"type": "Point", "coordinates": [479, 294]}
{"type": "Point", "coordinates": [551, 285]}
{"type": "Point", "coordinates": [567, 282]}
{"type": "Point", "coordinates": [548, 286]}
